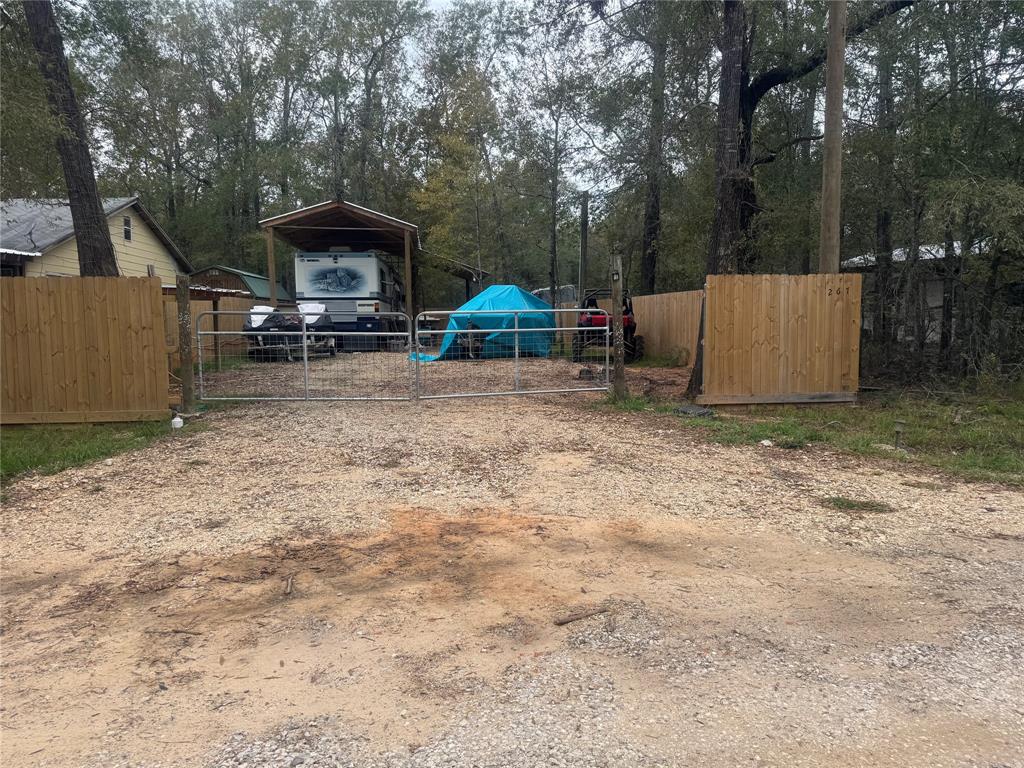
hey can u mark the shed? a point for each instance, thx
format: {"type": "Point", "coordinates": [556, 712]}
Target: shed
{"type": "Point", "coordinates": [338, 224]}
{"type": "Point", "coordinates": [229, 278]}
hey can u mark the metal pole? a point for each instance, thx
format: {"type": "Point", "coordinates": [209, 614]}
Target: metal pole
{"type": "Point", "coordinates": [414, 344]}
{"type": "Point", "coordinates": [202, 389]}
{"type": "Point", "coordinates": [515, 320]}
{"type": "Point", "coordinates": [607, 353]}
{"type": "Point", "coordinates": [305, 360]}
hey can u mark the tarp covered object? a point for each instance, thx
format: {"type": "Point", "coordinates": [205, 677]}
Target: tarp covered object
{"type": "Point", "coordinates": [498, 303]}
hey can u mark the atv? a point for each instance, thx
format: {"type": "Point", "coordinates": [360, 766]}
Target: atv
{"type": "Point", "coordinates": [594, 322]}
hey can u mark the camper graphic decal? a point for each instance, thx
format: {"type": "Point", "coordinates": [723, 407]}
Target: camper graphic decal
{"type": "Point", "coordinates": [337, 280]}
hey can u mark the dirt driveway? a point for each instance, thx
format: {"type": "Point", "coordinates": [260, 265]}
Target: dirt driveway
{"type": "Point", "coordinates": [378, 584]}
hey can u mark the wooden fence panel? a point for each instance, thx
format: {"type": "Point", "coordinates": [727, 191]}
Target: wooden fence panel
{"type": "Point", "coordinates": [81, 349]}
{"type": "Point", "coordinates": [669, 323]}
{"type": "Point", "coordinates": [781, 338]}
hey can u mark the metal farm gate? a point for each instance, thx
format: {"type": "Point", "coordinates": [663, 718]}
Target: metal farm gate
{"type": "Point", "coordinates": [513, 352]}
{"type": "Point", "coordinates": [444, 355]}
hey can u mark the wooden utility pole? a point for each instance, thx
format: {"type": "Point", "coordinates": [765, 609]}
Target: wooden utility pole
{"type": "Point", "coordinates": [185, 342]}
{"type": "Point", "coordinates": [92, 233]}
{"type": "Point", "coordinates": [832, 165]}
{"type": "Point", "coordinates": [584, 228]}
{"type": "Point", "coordinates": [619, 389]}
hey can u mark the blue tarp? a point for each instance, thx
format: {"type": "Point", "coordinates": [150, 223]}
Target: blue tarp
{"type": "Point", "coordinates": [497, 303]}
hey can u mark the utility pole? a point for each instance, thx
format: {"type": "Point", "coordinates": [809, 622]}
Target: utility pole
{"type": "Point", "coordinates": [832, 165]}
{"type": "Point", "coordinates": [619, 389]}
{"type": "Point", "coordinates": [584, 227]}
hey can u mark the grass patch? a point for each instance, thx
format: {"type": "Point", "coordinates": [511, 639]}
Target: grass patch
{"type": "Point", "coordinates": [53, 448]}
{"type": "Point", "coordinates": [844, 504]}
{"type": "Point", "coordinates": [630, 403]}
{"type": "Point", "coordinates": [977, 437]}
{"type": "Point", "coordinates": [973, 436]}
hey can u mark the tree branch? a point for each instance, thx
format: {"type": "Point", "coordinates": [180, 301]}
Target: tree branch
{"type": "Point", "coordinates": [771, 154]}
{"type": "Point", "coordinates": [777, 76]}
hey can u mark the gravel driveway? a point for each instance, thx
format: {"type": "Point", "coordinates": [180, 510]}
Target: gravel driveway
{"type": "Point", "coordinates": [378, 585]}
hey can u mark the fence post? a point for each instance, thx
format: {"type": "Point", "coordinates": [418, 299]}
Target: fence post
{"type": "Point", "coordinates": [515, 320]}
{"type": "Point", "coordinates": [412, 326]}
{"type": "Point", "coordinates": [305, 360]}
{"type": "Point", "coordinates": [181, 285]}
{"type": "Point", "coordinates": [620, 390]}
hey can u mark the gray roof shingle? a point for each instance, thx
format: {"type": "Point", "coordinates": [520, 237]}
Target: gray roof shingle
{"type": "Point", "coordinates": [33, 226]}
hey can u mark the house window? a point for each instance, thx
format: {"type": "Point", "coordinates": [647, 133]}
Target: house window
{"type": "Point", "coordinates": [127, 224]}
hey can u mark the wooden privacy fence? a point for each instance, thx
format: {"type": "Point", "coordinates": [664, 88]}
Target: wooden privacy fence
{"type": "Point", "coordinates": [82, 349]}
{"type": "Point", "coordinates": [781, 339]}
{"type": "Point", "coordinates": [670, 324]}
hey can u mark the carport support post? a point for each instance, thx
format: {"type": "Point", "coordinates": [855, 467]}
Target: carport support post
{"type": "Point", "coordinates": [181, 293]}
{"type": "Point", "coordinates": [410, 294]}
{"type": "Point", "coordinates": [268, 233]}
{"type": "Point", "coordinates": [619, 371]}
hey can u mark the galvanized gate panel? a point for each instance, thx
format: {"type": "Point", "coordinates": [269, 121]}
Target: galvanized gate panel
{"type": "Point", "coordinates": [462, 354]}
{"type": "Point", "coordinates": [448, 354]}
{"type": "Point", "coordinates": [304, 363]}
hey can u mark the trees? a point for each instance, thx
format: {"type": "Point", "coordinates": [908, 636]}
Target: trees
{"type": "Point", "coordinates": [484, 121]}
{"type": "Point", "coordinates": [731, 233]}
{"type": "Point", "coordinates": [95, 250]}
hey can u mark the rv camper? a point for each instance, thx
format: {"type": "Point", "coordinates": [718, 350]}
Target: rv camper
{"type": "Point", "coordinates": [355, 288]}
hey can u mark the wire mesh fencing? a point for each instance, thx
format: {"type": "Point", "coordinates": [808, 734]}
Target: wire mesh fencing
{"type": "Point", "coordinates": [267, 354]}
{"type": "Point", "coordinates": [274, 355]}
{"type": "Point", "coordinates": [511, 352]}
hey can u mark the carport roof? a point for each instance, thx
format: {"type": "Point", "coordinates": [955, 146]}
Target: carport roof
{"type": "Point", "coordinates": [338, 222]}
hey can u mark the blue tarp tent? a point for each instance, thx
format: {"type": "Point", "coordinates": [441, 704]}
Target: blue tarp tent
{"type": "Point", "coordinates": [498, 303]}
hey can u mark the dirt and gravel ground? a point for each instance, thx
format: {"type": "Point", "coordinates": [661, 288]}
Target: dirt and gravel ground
{"type": "Point", "coordinates": [377, 585]}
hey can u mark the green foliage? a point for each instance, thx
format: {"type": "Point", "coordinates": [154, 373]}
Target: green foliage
{"type": "Point", "coordinates": [484, 121]}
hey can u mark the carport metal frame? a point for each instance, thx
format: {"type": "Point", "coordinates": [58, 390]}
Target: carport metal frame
{"type": "Point", "coordinates": [374, 230]}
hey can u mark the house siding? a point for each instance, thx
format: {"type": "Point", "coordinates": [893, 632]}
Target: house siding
{"type": "Point", "coordinates": [132, 257]}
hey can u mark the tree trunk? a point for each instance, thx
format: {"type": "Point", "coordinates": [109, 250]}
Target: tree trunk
{"type": "Point", "coordinates": [553, 252]}
{"type": "Point", "coordinates": [832, 163]}
{"type": "Point", "coordinates": [655, 146]}
{"type": "Point", "coordinates": [882, 322]}
{"type": "Point", "coordinates": [726, 230]}
{"type": "Point", "coordinates": [807, 125]}
{"type": "Point", "coordinates": [740, 193]}
{"type": "Point", "coordinates": [948, 300]}
{"type": "Point", "coordinates": [92, 233]}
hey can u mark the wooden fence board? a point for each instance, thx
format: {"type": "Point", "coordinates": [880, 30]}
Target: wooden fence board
{"type": "Point", "coordinates": [669, 323]}
{"type": "Point", "coordinates": [81, 349]}
{"type": "Point", "coordinates": [781, 338]}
